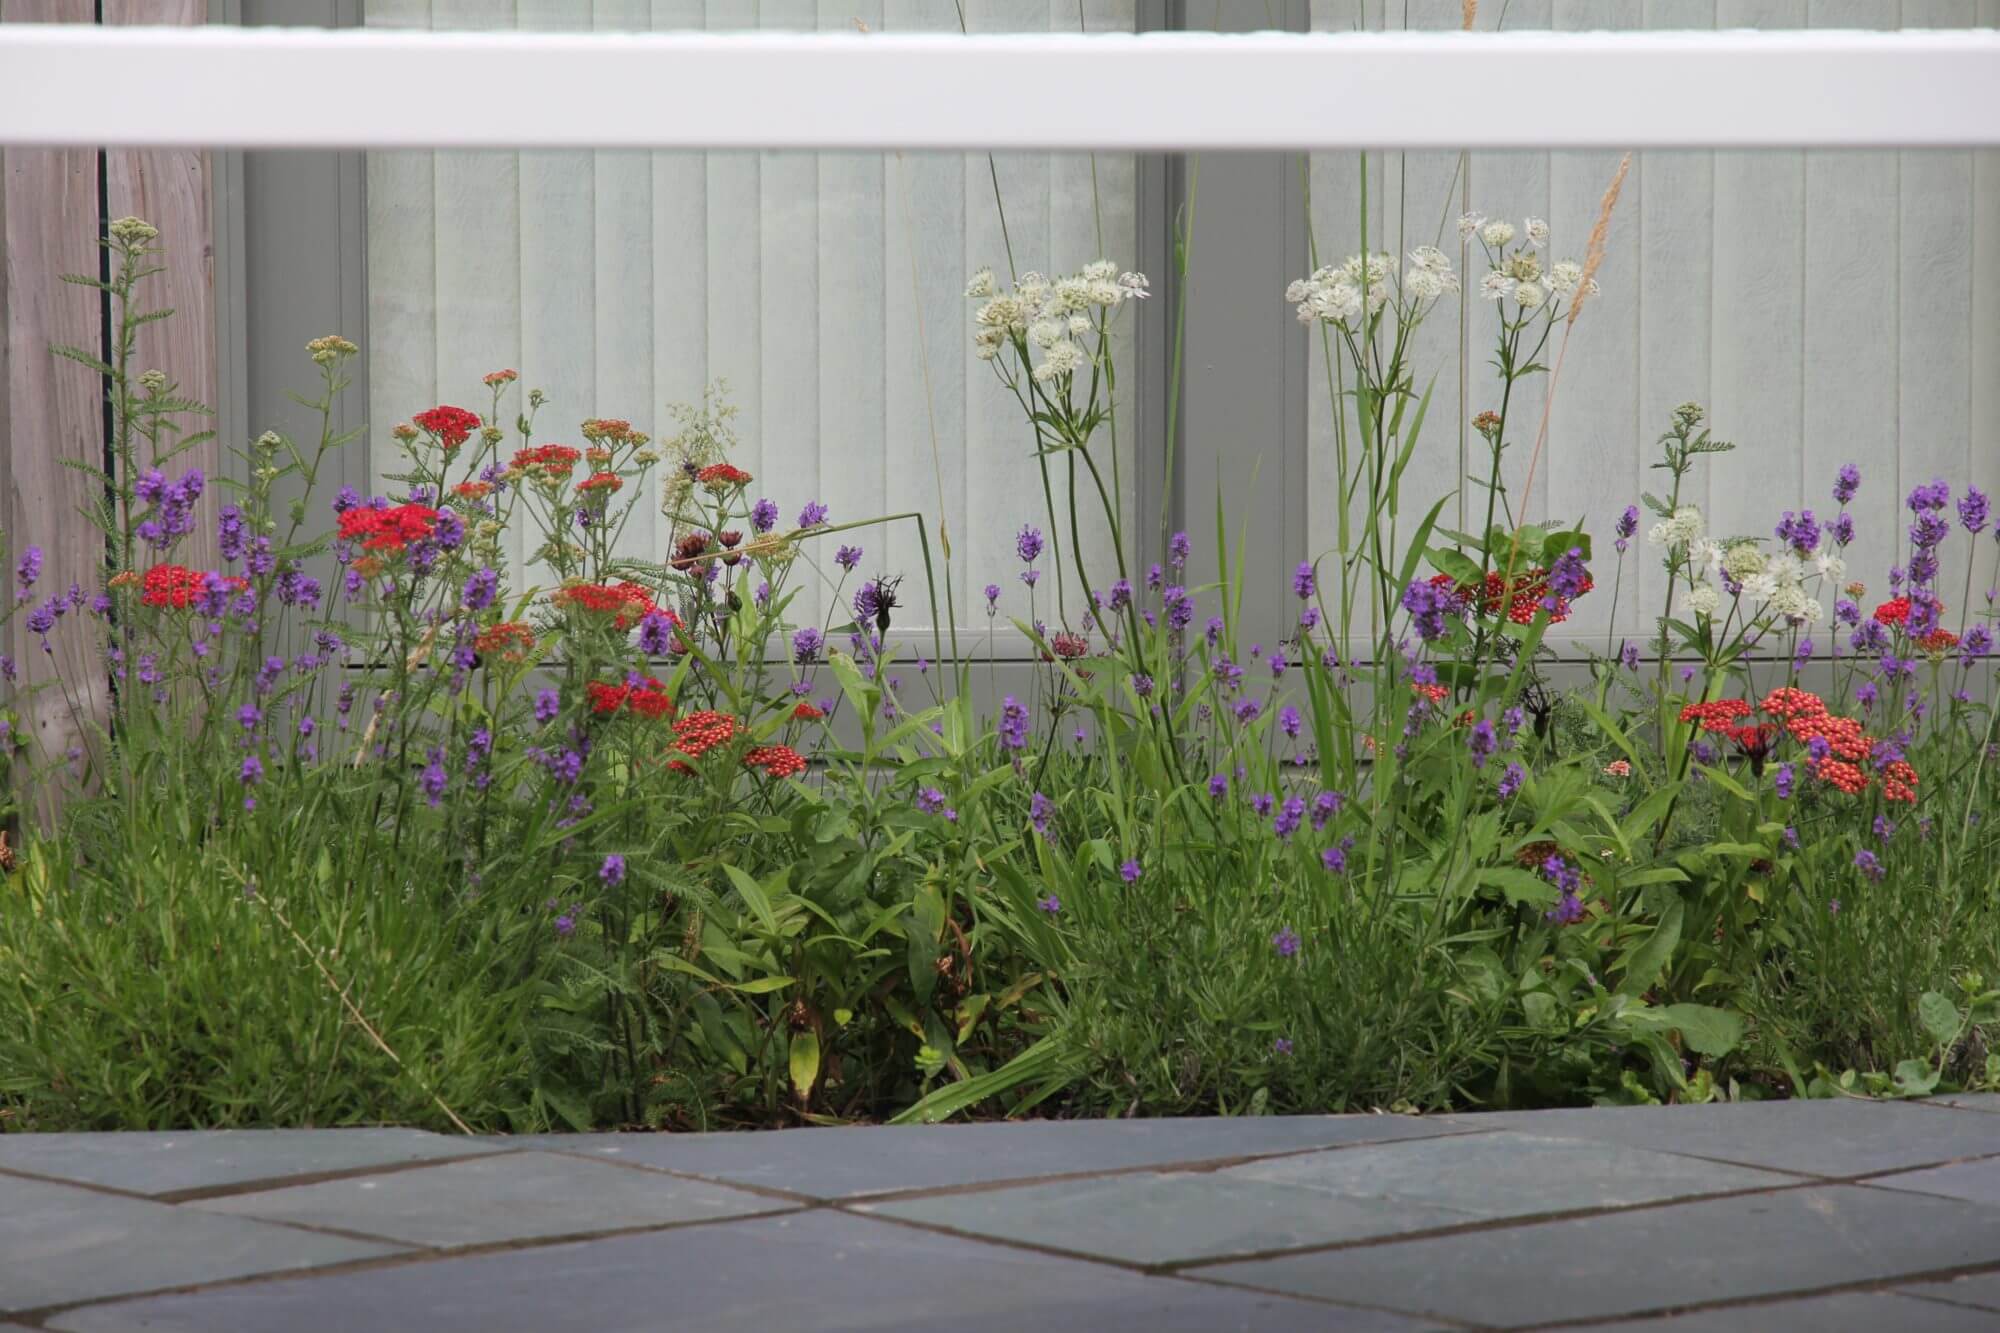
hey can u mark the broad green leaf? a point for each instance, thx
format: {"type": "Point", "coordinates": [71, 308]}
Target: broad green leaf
{"type": "Point", "coordinates": [1650, 957]}
{"type": "Point", "coordinates": [753, 896]}
{"type": "Point", "coordinates": [1704, 1028]}
{"type": "Point", "coordinates": [1916, 1078]}
{"type": "Point", "coordinates": [1940, 1017]}
{"type": "Point", "coordinates": [805, 1063]}
{"type": "Point", "coordinates": [1520, 886]}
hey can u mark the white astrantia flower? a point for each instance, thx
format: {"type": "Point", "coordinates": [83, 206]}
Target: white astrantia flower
{"type": "Point", "coordinates": [1100, 270]}
{"type": "Point", "coordinates": [1704, 600]}
{"type": "Point", "coordinates": [1430, 257]}
{"type": "Point", "coordinates": [1497, 232]}
{"type": "Point", "coordinates": [1786, 569]}
{"type": "Point", "coordinates": [1079, 324]}
{"type": "Point", "coordinates": [1067, 294]}
{"type": "Point", "coordinates": [1795, 603]}
{"type": "Point", "coordinates": [1469, 223]}
{"type": "Point", "coordinates": [981, 284]}
{"type": "Point", "coordinates": [986, 343]}
{"type": "Point", "coordinates": [1760, 587]}
{"type": "Point", "coordinates": [1744, 562]}
{"type": "Point", "coordinates": [1530, 295]}
{"type": "Point", "coordinates": [1031, 287]}
{"type": "Point", "coordinates": [1423, 284]}
{"type": "Point", "coordinates": [1708, 554]}
{"type": "Point", "coordinates": [1830, 566]}
{"type": "Point", "coordinates": [1564, 276]}
{"type": "Point", "coordinates": [1537, 230]}
{"type": "Point", "coordinates": [1496, 285]}
{"type": "Point", "coordinates": [1046, 333]}
{"type": "Point", "coordinates": [1297, 290]}
{"type": "Point", "coordinates": [1134, 286]}
{"type": "Point", "coordinates": [1105, 292]}
{"type": "Point", "coordinates": [1336, 301]}
{"type": "Point", "coordinates": [1683, 529]}
{"type": "Point", "coordinates": [1062, 359]}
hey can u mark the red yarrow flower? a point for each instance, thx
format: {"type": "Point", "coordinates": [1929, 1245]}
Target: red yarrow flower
{"type": "Point", "coordinates": [177, 587]}
{"type": "Point", "coordinates": [551, 460]}
{"type": "Point", "coordinates": [1717, 714]}
{"type": "Point", "coordinates": [449, 426]}
{"type": "Point", "coordinates": [806, 712]}
{"type": "Point", "coordinates": [388, 529]}
{"type": "Point", "coordinates": [647, 697]}
{"type": "Point", "coordinates": [723, 474]}
{"type": "Point", "coordinates": [510, 640]}
{"type": "Point", "coordinates": [777, 761]}
{"type": "Point", "coordinates": [626, 603]}
{"type": "Point", "coordinates": [607, 482]}
{"type": "Point", "coordinates": [1893, 612]}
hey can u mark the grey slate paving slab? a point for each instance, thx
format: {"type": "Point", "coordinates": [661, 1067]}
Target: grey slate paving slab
{"type": "Point", "coordinates": [1980, 1290]}
{"type": "Point", "coordinates": [508, 1196]}
{"type": "Point", "coordinates": [59, 1243]}
{"type": "Point", "coordinates": [1873, 1310]}
{"type": "Point", "coordinates": [168, 1163]}
{"type": "Point", "coordinates": [1969, 1101]}
{"type": "Point", "coordinates": [1509, 1174]}
{"type": "Point", "coordinates": [1155, 1219]}
{"type": "Point", "coordinates": [1648, 1259]}
{"type": "Point", "coordinates": [842, 1163]}
{"type": "Point", "coordinates": [1832, 1138]}
{"type": "Point", "coordinates": [1978, 1181]}
{"type": "Point", "coordinates": [813, 1270]}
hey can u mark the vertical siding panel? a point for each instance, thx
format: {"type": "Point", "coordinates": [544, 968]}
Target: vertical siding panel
{"type": "Point", "coordinates": [857, 273]}
{"type": "Point", "coordinates": [1851, 413]}
{"type": "Point", "coordinates": [558, 263]}
{"type": "Point", "coordinates": [734, 230]}
{"type": "Point", "coordinates": [1117, 194]}
{"type": "Point", "coordinates": [1421, 209]}
{"type": "Point", "coordinates": [1759, 292]}
{"type": "Point", "coordinates": [788, 428]}
{"type": "Point", "coordinates": [478, 266]}
{"type": "Point", "coordinates": [1935, 383]}
{"type": "Point", "coordinates": [928, 245]}
{"type": "Point", "coordinates": [680, 261]}
{"type": "Point", "coordinates": [1984, 279]}
{"type": "Point", "coordinates": [1676, 321]}
{"type": "Point", "coordinates": [622, 286]}
{"type": "Point", "coordinates": [1593, 451]}
{"type": "Point", "coordinates": [402, 267]}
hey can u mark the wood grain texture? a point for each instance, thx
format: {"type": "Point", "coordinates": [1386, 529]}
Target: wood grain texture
{"type": "Point", "coordinates": [170, 189]}
{"type": "Point", "coordinates": [54, 410]}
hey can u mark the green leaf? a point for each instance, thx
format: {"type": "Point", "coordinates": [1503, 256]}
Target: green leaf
{"type": "Point", "coordinates": [1647, 960]}
{"type": "Point", "coordinates": [1916, 1078]}
{"type": "Point", "coordinates": [753, 896]}
{"type": "Point", "coordinates": [805, 1063]}
{"type": "Point", "coordinates": [1461, 567]}
{"type": "Point", "coordinates": [1704, 1028]}
{"type": "Point", "coordinates": [1519, 885]}
{"type": "Point", "coordinates": [1940, 1017]}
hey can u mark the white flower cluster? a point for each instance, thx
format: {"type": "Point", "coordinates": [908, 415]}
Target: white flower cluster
{"type": "Point", "coordinates": [1049, 313]}
{"type": "Point", "coordinates": [1771, 583]}
{"type": "Point", "coordinates": [1522, 276]}
{"type": "Point", "coordinates": [1337, 294]}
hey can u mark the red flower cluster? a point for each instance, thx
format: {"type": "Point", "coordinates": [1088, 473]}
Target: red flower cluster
{"type": "Point", "coordinates": [1520, 600]}
{"type": "Point", "coordinates": [178, 587]}
{"type": "Point", "coordinates": [551, 460]}
{"type": "Point", "coordinates": [473, 490]}
{"type": "Point", "coordinates": [646, 697]}
{"type": "Point", "coordinates": [1938, 642]}
{"type": "Point", "coordinates": [608, 428]}
{"type": "Point", "coordinates": [1716, 714]}
{"type": "Point", "coordinates": [698, 733]}
{"type": "Point", "coordinates": [450, 426]}
{"type": "Point", "coordinates": [625, 603]}
{"type": "Point", "coordinates": [723, 474]}
{"type": "Point", "coordinates": [510, 640]}
{"type": "Point", "coordinates": [1893, 612]}
{"type": "Point", "coordinates": [607, 482]}
{"type": "Point", "coordinates": [1806, 718]}
{"type": "Point", "coordinates": [387, 529]}
{"type": "Point", "coordinates": [777, 761]}
{"type": "Point", "coordinates": [806, 712]}
{"type": "Point", "coordinates": [1437, 694]}
{"type": "Point", "coordinates": [1067, 646]}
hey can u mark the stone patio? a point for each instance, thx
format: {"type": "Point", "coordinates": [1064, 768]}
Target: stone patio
{"type": "Point", "coordinates": [1802, 1215]}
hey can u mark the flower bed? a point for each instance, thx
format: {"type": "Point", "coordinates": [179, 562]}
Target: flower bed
{"type": "Point", "coordinates": [415, 844]}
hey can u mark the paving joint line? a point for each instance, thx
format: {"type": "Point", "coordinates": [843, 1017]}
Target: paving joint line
{"type": "Point", "coordinates": [412, 1255]}
{"type": "Point", "coordinates": [264, 1184]}
{"type": "Point", "coordinates": [1889, 1285]}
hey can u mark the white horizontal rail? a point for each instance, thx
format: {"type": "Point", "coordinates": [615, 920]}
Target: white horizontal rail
{"type": "Point", "coordinates": [273, 88]}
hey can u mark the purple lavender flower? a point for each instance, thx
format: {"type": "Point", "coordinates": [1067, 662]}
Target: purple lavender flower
{"type": "Point", "coordinates": [1302, 580]}
{"type": "Point", "coordinates": [1290, 815]}
{"type": "Point", "coordinates": [992, 598]}
{"type": "Point", "coordinates": [1218, 786]}
{"type": "Point", "coordinates": [1031, 577]}
{"type": "Point", "coordinates": [1028, 545]}
{"type": "Point", "coordinates": [1247, 709]}
{"type": "Point", "coordinates": [806, 644]}
{"type": "Point", "coordinates": [867, 600]}
{"type": "Point", "coordinates": [1884, 828]}
{"type": "Point", "coordinates": [1325, 806]}
{"type": "Point", "coordinates": [1428, 606]}
{"type": "Point", "coordinates": [481, 589]}
{"type": "Point", "coordinates": [1846, 484]}
{"type": "Point", "coordinates": [1289, 721]}
{"type": "Point", "coordinates": [1869, 864]}
{"type": "Point", "coordinates": [1842, 530]}
{"type": "Point", "coordinates": [1050, 904]}
{"type": "Point", "coordinates": [1013, 726]}
{"type": "Point", "coordinates": [847, 557]}
{"type": "Point", "coordinates": [812, 515]}
{"type": "Point", "coordinates": [231, 536]}
{"type": "Point", "coordinates": [565, 924]}
{"type": "Point", "coordinates": [547, 704]}
{"type": "Point", "coordinates": [1040, 810]}
{"type": "Point", "coordinates": [1845, 612]}
{"type": "Point", "coordinates": [1286, 942]}
{"type": "Point", "coordinates": [1978, 642]}
{"type": "Point", "coordinates": [1121, 595]}
{"type": "Point", "coordinates": [612, 872]}
{"type": "Point", "coordinates": [1782, 780]}
{"type": "Point", "coordinates": [1800, 531]}
{"type": "Point", "coordinates": [1481, 741]}
{"type": "Point", "coordinates": [764, 515]}
{"type": "Point", "coordinates": [1510, 781]}
{"type": "Point", "coordinates": [1974, 510]}
{"type": "Point", "coordinates": [1129, 871]}
{"type": "Point", "coordinates": [1334, 859]}
{"type": "Point", "coordinates": [27, 572]}
{"type": "Point", "coordinates": [1282, 1046]}
{"type": "Point", "coordinates": [656, 634]}
{"type": "Point", "coordinates": [1568, 578]}
{"type": "Point", "coordinates": [434, 779]}
{"type": "Point", "coordinates": [1262, 803]}
{"type": "Point", "coordinates": [1178, 549]}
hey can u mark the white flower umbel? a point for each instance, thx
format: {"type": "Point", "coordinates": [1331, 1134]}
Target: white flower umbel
{"type": "Point", "coordinates": [1537, 230]}
{"type": "Point", "coordinates": [1134, 286]}
{"type": "Point", "coordinates": [1497, 232]}
{"type": "Point", "coordinates": [1705, 600]}
{"type": "Point", "coordinates": [1046, 333]}
{"type": "Point", "coordinates": [1496, 285]}
{"type": "Point", "coordinates": [1830, 566]}
{"type": "Point", "coordinates": [1062, 359]}
{"type": "Point", "coordinates": [1683, 529]}
{"type": "Point", "coordinates": [1469, 225]}
{"type": "Point", "coordinates": [980, 285]}
{"type": "Point", "coordinates": [1099, 270]}
{"type": "Point", "coordinates": [1565, 276]}
{"type": "Point", "coordinates": [1530, 295]}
